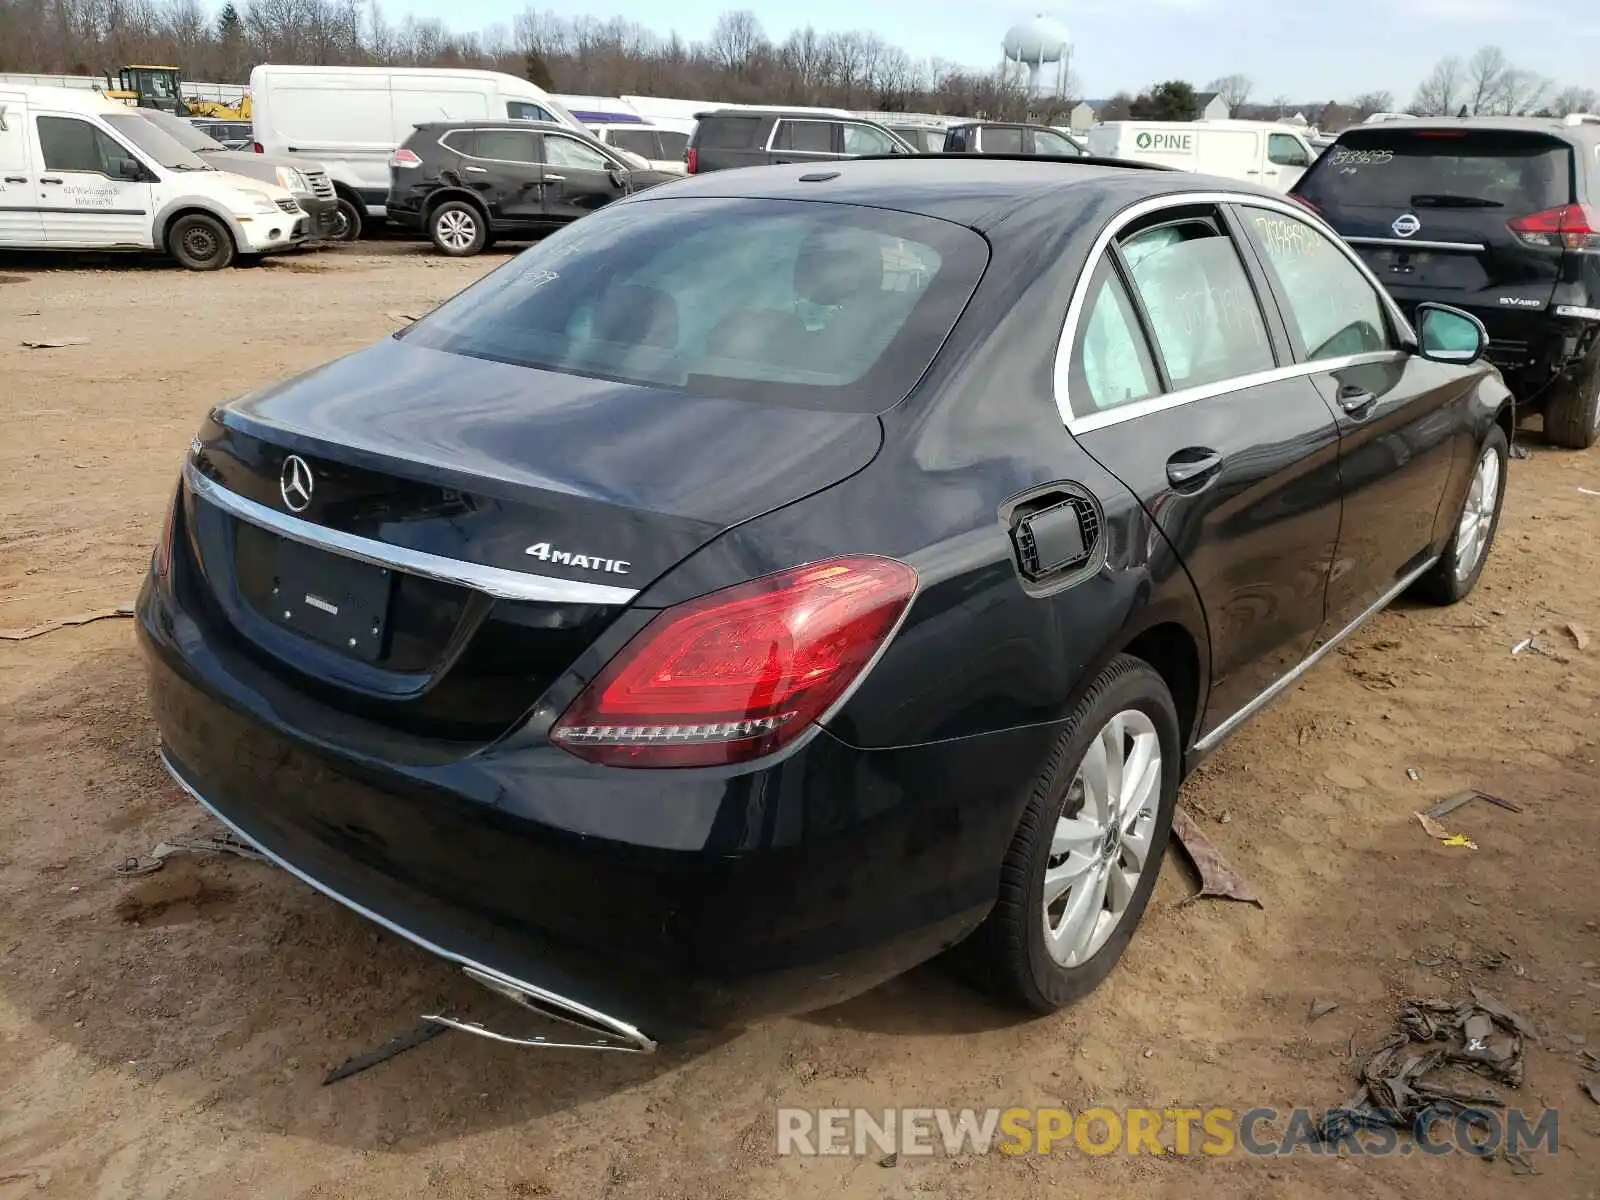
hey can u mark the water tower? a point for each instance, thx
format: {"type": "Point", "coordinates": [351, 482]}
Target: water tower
{"type": "Point", "coordinates": [1032, 46]}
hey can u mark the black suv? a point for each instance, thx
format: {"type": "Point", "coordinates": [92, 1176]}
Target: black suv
{"type": "Point", "coordinates": [468, 183]}
{"type": "Point", "coordinates": [1000, 137]}
{"type": "Point", "coordinates": [746, 137]}
{"type": "Point", "coordinates": [1499, 216]}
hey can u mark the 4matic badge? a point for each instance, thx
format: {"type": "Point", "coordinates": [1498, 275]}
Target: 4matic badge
{"type": "Point", "coordinates": [590, 562]}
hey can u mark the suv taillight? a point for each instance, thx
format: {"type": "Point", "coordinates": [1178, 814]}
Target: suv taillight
{"type": "Point", "coordinates": [404, 158]}
{"type": "Point", "coordinates": [739, 673]}
{"type": "Point", "coordinates": [1570, 227]}
{"type": "Point", "coordinates": [257, 147]}
{"type": "Point", "coordinates": [691, 159]}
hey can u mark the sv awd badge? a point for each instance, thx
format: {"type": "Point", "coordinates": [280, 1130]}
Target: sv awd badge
{"type": "Point", "coordinates": [591, 562]}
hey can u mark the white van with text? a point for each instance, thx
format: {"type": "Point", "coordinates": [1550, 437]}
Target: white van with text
{"type": "Point", "coordinates": [1253, 151]}
{"type": "Point", "coordinates": [79, 171]}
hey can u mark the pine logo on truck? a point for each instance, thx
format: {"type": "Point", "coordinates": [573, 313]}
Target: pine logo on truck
{"type": "Point", "coordinates": [1173, 143]}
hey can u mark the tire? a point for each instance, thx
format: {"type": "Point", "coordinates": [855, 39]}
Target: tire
{"type": "Point", "coordinates": [458, 229]}
{"type": "Point", "coordinates": [1456, 573]}
{"type": "Point", "coordinates": [348, 221]}
{"type": "Point", "coordinates": [200, 242]}
{"type": "Point", "coordinates": [1010, 953]}
{"type": "Point", "coordinates": [1572, 414]}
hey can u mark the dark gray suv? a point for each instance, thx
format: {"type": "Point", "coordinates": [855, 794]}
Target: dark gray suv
{"type": "Point", "coordinates": [744, 137]}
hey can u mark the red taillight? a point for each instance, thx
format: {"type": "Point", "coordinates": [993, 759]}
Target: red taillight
{"type": "Point", "coordinates": [1570, 227]}
{"type": "Point", "coordinates": [161, 559]}
{"type": "Point", "coordinates": [404, 158]}
{"type": "Point", "coordinates": [257, 147]}
{"type": "Point", "coordinates": [691, 158]}
{"type": "Point", "coordinates": [739, 673]}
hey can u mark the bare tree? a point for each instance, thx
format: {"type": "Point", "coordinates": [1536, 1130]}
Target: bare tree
{"type": "Point", "coordinates": [1234, 90]}
{"type": "Point", "coordinates": [1572, 100]}
{"type": "Point", "coordinates": [1486, 87]}
{"type": "Point", "coordinates": [1441, 93]}
{"type": "Point", "coordinates": [735, 40]}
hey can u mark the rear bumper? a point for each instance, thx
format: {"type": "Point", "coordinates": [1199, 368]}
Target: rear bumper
{"type": "Point", "coordinates": [658, 903]}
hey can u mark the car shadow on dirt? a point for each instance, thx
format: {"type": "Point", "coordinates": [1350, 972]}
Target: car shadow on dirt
{"type": "Point", "coordinates": [228, 983]}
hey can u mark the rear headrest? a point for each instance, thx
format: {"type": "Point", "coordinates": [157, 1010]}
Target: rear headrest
{"type": "Point", "coordinates": [838, 265]}
{"type": "Point", "coordinates": [636, 316]}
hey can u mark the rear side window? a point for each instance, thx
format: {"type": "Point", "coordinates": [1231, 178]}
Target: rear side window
{"type": "Point", "coordinates": [507, 145]}
{"type": "Point", "coordinates": [673, 144]}
{"type": "Point", "coordinates": [811, 305]}
{"type": "Point", "coordinates": [462, 141]}
{"type": "Point", "coordinates": [1112, 361]}
{"type": "Point", "coordinates": [1053, 143]}
{"type": "Point", "coordinates": [1000, 141]}
{"type": "Point", "coordinates": [729, 133]}
{"type": "Point", "coordinates": [635, 141]}
{"type": "Point", "coordinates": [810, 137]}
{"type": "Point", "coordinates": [1519, 173]}
{"type": "Point", "coordinates": [1203, 310]}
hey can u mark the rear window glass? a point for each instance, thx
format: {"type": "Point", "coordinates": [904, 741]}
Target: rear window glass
{"type": "Point", "coordinates": [1521, 173]}
{"type": "Point", "coordinates": [728, 133]}
{"type": "Point", "coordinates": [785, 302]}
{"type": "Point", "coordinates": [635, 141]}
{"type": "Point", "coordinates": [673, 144]}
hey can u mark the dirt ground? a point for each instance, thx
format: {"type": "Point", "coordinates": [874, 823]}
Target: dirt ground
{"type": "Point", "coordinates": [167, 1036]}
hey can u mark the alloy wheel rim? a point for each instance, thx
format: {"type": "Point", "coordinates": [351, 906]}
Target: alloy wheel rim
{"type": "Point", "coordinates": [1100, 847]}
{"type": "Point", "coordinates": [1477, 515]}
{"type": "Point", "coordinates": [457, 230]}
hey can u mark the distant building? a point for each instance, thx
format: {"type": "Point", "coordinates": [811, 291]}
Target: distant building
{"type": "Point", "coordinates": [1212, 106]}
{"type": "Point", "coordinates": [1081, 118]}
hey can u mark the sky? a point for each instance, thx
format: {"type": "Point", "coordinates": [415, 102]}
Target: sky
{"type": "Point", "coordinates": [1320, 51]}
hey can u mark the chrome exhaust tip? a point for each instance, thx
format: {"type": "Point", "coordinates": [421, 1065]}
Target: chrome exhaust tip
{"type": "Point", "coordinates": [605, 1033]}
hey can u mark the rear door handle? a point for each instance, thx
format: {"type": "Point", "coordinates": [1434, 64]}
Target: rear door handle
{"type": "Point", "coordinates": [476, 170]}
{"type": "Point", "coordinates": [1191, 470]}
{"type": "Point", "coordinates": [45, 180]}
{"type": "Point", "coordinates": [549, 178]}
{"type": "Point", "coordinates": [1357, 402]}
{"type": "Point", "coordinates": [16, 179]}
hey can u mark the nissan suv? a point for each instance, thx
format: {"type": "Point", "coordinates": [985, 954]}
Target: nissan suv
{"type": "Point", "coordinates": [466, 184]}
{"type": "Point", "coordinates": [1499, 216]}
{"type": "Point", "coordinates": [755, 137]}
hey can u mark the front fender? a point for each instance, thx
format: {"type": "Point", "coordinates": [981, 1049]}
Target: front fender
{"type": "Point", "coordinates": [181, 204]}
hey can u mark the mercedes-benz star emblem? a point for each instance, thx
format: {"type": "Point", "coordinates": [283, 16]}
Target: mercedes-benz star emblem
{"type": "Point", "coordinates": [1405, 225]}
{"type": "Point", "coordinates": [294, 483]}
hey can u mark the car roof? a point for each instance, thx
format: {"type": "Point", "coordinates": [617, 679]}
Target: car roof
{"type": "Point", "coordinates": [502, 123]}
{"type": "Point", "coordinates": [1584, 133]}
{"type": "Point", "coordinates": [978, 191]}
{"type": "Point", "coordinates": [807, 114]}
{"type": "Point", "coordinates": [79, 100]}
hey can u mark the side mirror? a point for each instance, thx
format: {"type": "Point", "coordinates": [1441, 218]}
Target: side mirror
{"type": "Point", "coordinates": [1448, 335]}
{"type": "Point", "coordinates": [127, 168]}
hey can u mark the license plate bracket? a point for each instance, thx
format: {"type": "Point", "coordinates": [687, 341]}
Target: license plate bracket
{"type": "Point", "coordinates": [335, 600]}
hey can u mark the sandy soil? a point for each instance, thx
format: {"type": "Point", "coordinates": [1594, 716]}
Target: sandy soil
{"type": "Point", "coordinates": [167, 1036]}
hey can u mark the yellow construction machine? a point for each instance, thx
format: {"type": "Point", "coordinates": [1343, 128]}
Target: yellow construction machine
{"type": "Point", "coordinates": [145, 86]}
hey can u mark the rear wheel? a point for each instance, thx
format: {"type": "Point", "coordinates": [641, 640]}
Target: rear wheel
{"type": "Point", "coordinates": [1572, 414]}
{"type": "Point", "coordinates": [1456, 573]}
{"type": "Point", "coordinates": [200, 242]}
{"type": "Point", "coordinates": [1086, 855]}
{"type": "Point", "coordinates": [347, 221]}
{"type": "Point", "coordinates": [457, 229]}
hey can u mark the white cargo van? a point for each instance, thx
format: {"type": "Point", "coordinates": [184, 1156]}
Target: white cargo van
{"type": "Point", "coordinates": [351, 119]}
{"type": "Point", "coordinates": [79, 171]}
{"type": "Point", "coordinates": [1254, 151]}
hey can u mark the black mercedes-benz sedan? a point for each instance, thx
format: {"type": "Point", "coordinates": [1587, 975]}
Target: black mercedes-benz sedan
{"type": "Point", "coordinates": [775, 580]}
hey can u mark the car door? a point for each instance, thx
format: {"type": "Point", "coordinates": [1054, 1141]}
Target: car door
{"type": "Point", "coordinates": [803, 141]}
{"type": "Point", "coordinates": [20, 221]}
{"type": "Point", "coordinates": [577, 178]}
{"type": "Point", "coordinates": [84, 198]}
{"type": "Point", "coordinates": [1403, 424]}
{"type": "Point", "coordinates": [1287, 160]}
{"type": "Point", "coordinates": [503, 166]}
{"type": "Point", "coordinates": [1177, 385]}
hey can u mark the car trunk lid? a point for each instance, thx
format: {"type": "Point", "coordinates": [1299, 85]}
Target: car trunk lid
{"type": "Point", "coordinates": [431, 539]}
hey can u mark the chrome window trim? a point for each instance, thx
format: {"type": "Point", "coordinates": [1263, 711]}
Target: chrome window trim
{"type": "Point", "coordinates": [492, 581]}
{"type": "Point", "coordinates": [1143, 208]}
{"type": "Point", "coordinates": [772, 134]}
{"type": "Point", "coordinates": [1412, 244]}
